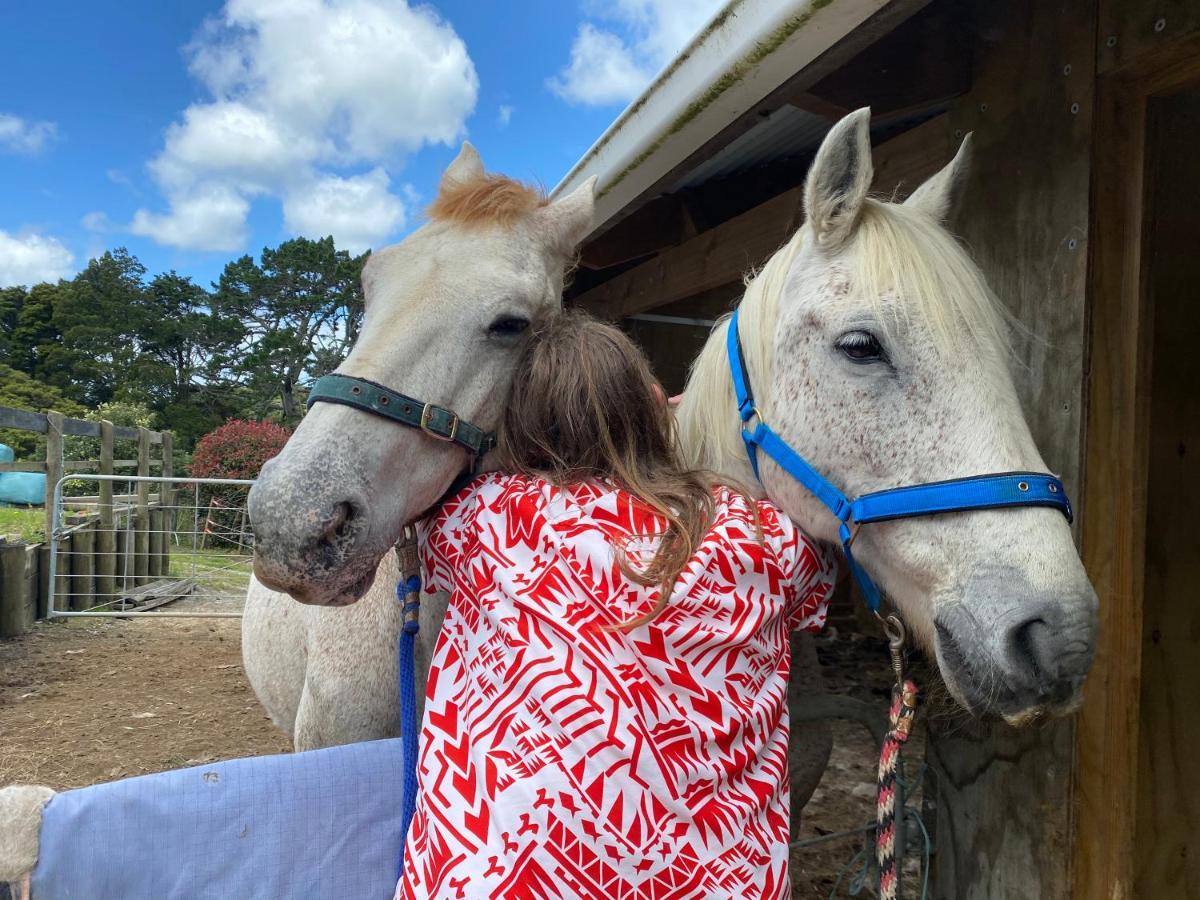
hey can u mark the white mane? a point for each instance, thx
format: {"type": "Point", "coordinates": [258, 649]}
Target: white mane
{"type": "Point", "coordinates": [896, 253]}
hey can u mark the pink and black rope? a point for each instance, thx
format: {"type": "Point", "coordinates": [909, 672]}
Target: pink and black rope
{"type": "Point", "coordinates": [900, 720]}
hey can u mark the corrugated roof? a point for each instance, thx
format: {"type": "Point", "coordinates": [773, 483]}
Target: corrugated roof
{"type": "Point", "coordinates": [788, 131]}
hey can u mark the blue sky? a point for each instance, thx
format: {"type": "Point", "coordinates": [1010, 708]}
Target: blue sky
{"type": "Point", "coordinates": [192, 132]}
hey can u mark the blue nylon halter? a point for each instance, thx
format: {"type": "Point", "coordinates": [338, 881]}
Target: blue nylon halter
{"type": "Point", "coordinates": [408, 594]}
{"type": "Point", "coordinates": [993, 491]}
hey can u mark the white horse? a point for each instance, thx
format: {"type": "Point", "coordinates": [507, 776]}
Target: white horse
{"type": "Point", "coordinates": [445, 309]}
{"type": "Point", "coordinates": [876, 350]}
{"type": "Point", "coordinates": [882, 358]}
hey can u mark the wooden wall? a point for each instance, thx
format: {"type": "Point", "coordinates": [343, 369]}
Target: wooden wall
{"type": "Point", "coordinates": [1047, 812]}
{"type": "Point", "coordinates": [1004, 814]}
{"type": "Point", "coordinates": [1166, 850]}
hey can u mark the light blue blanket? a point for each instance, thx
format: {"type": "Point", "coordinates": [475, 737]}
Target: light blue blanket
{"type": "Point", "coordinates": [322, 824]}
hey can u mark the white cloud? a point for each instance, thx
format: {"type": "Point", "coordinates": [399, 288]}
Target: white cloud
{"type": "Point", "coordinates": [25, 137]}
{"type": "Point", "coordinates": [211, 216]}
{"type": "Point", "coordinates": [504, 115]}
{"type": "Point", "coordinates": [96, 222]}
{"type": "Point", "coordinates": [607, 67]}
{"type": "Point", "coordinates": [31, 258]}
{"type": "Point", "coordinates": [359, 210]}
{"type": "Point", "coordinates": [299, 88]}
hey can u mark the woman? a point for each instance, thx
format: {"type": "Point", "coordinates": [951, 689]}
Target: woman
{"type": "Point", "coordinates": [606, 712]}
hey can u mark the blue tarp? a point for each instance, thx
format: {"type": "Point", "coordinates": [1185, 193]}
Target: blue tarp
{"type": "Point", "coordinates": [325, 823]}
{"type": "Point", "coordinates": [24, 488]}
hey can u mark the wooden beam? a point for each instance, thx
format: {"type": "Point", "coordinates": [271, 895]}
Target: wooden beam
{"type": "Point", "coordinates": [1133, 33]}
{"type": "Point", "coordinates": [659, 224]}
{"type": "Point", "coordinates": [923, 64]}
{"type": "Point", "coordinates": [809, 102]}
{"type": "Point", "coordinates": [722, 255]}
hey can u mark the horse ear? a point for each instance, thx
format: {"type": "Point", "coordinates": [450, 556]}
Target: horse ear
{"type": "Point", "coordinates": [467, 167]}
{"type": "Point", "coordinates": [941, 194]}
{"type": "Point", "coordinates": [568, 220]}
{"type": "Point", "coordinates": [839, 179]}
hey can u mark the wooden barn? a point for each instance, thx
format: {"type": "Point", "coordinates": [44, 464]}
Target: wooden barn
{"type": "Point", "coordinates": [1084, 211]}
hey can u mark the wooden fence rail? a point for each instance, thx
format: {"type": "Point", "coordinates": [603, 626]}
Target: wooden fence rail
{"type": "Point", "coordinates": [94, 546]}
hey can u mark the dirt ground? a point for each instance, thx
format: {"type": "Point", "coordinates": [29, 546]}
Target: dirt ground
{"type": "Point", "coordinates": [98, 699]}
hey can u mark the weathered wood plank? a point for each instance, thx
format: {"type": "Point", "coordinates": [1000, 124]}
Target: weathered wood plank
{"type": "Point", "coordinates": [54, 463]}
{"type": "Point", "coordinates": [722, 255]}
{"type": "Point", "coordinates": [82, 560]}
{"type": "Point", "coordinates": [1130, 31]}
{"type": "Point", "coordinates": [1113, 507]}
{"type": "Point", "coordinates": [106, 540]}
{"type": "Point", "coordinates": [1003, 825]}
{"type": "Point", "coordinates": [23, 467]}
{"type": "Point", "coordinates": [1168, 802]}
{"type": "Point", "coordinates": [1114, 503]}
{"type": "Point", "coordinates": [22, 419]}
{"type": "Point", "coordinates": [142, 524]}
{"type": "Point", "coordinates": [18, 598]}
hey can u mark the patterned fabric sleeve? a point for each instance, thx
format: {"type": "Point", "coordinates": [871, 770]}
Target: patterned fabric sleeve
{"type": "Point", "coordinates": [448, 536]}
{"type": "Point", "coordinates": [809, 569]}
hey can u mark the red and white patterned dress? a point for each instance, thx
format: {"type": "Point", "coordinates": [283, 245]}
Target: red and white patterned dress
{"type": "Point", "coordinates": [563, 759]}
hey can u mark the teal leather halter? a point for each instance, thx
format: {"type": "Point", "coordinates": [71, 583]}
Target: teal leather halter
{"type": "Point", "coordinates": [436, 421]}
{"type": "Point", "coordinates": [444, 425]}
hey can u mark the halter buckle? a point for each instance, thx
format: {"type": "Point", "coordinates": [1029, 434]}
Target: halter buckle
{"type": "Point", "coordinates": [427, 415]}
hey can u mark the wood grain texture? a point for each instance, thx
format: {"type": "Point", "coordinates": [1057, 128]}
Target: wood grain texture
{"type": "Point", "coordinates": [1114, 504]}
{"type": "Point", "coordinates": [1003, 825]}
{"type": "Point", "coordinates": [1167, 813]}
{"type": "Point", "coordinates": [1131, 31]}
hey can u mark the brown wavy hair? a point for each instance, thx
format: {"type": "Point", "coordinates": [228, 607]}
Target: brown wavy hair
{"type": "Point", "coordinates": [585, 407]}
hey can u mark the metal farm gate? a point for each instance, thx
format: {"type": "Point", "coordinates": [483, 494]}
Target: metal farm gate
{"type": "Point", "coordinates": [128, 546]}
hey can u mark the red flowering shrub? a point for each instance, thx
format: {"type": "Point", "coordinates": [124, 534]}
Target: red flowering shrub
{"type": "Point", "coordinates": [237, 449]}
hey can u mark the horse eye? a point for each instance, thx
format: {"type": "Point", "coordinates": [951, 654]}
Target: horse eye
{"type": "Point", "coordinates": [861, 347]}
{"type": "Point", "coordinates": [508, 326]}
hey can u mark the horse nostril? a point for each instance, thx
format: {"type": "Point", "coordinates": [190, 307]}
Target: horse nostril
{"type": "Point", "coordinates": [339, 522]}
{"type": "Point", "coordinates": [1031, 648]}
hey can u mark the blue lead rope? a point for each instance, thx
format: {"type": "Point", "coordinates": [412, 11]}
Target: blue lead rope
{"type": "Point", "coordinates": [408, 593]}
{"type": "Point", "coordinates": [994, 491]}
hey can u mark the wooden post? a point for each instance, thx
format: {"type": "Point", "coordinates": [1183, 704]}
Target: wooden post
{"type": "Point", "coordinates": [157, 522]}
{"type": "Point", "coordinates": [17, 607]}
{"type": "Point", "coordinates": [82, 584]}
{"type": "Point", "coordinates": [141, 546]}
{"type": "Point", "coordinates": [62, 573]}
{"type": "Point", "coordinates": [54, 464]}
{"type": "Point", "coordinates": [167, 498]}
{"type": "Point", "coordinates": [106, 539]}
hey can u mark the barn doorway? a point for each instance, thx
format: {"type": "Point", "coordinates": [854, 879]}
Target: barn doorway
{"type": "Point", "coordinates": [1166, 857]}
{"type": "Point", "coordinates": [1137, 807]}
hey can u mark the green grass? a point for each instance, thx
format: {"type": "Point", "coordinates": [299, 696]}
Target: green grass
{"type": "Point", "coordinates": [30, 523]}
{"type": "Point", "coordinates": [216, 571]}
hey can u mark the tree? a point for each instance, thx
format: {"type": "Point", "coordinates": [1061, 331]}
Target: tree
{"type": "Point", "coordinates": [11, 301]}
{"type": "Point", "coordinates": [99, 314]}
{"type": "Point", "coordinates": [300, 309]}
{"type": "Point", "coordinates": [184, 347]}
{"type": "Point", "coordinates": [20, 391]}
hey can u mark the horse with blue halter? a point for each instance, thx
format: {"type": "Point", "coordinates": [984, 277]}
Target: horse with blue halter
{"type": "Point", "coordinates": [868, 360]}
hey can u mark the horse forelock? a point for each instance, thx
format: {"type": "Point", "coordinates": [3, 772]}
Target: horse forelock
{"type": "Point", "coordinates": [490, 200]}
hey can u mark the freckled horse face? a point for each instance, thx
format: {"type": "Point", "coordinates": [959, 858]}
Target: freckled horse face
{"type": "Point", "coordinates": [446, 316]}
{"type": "Point", "coordinates": [887, 360]}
